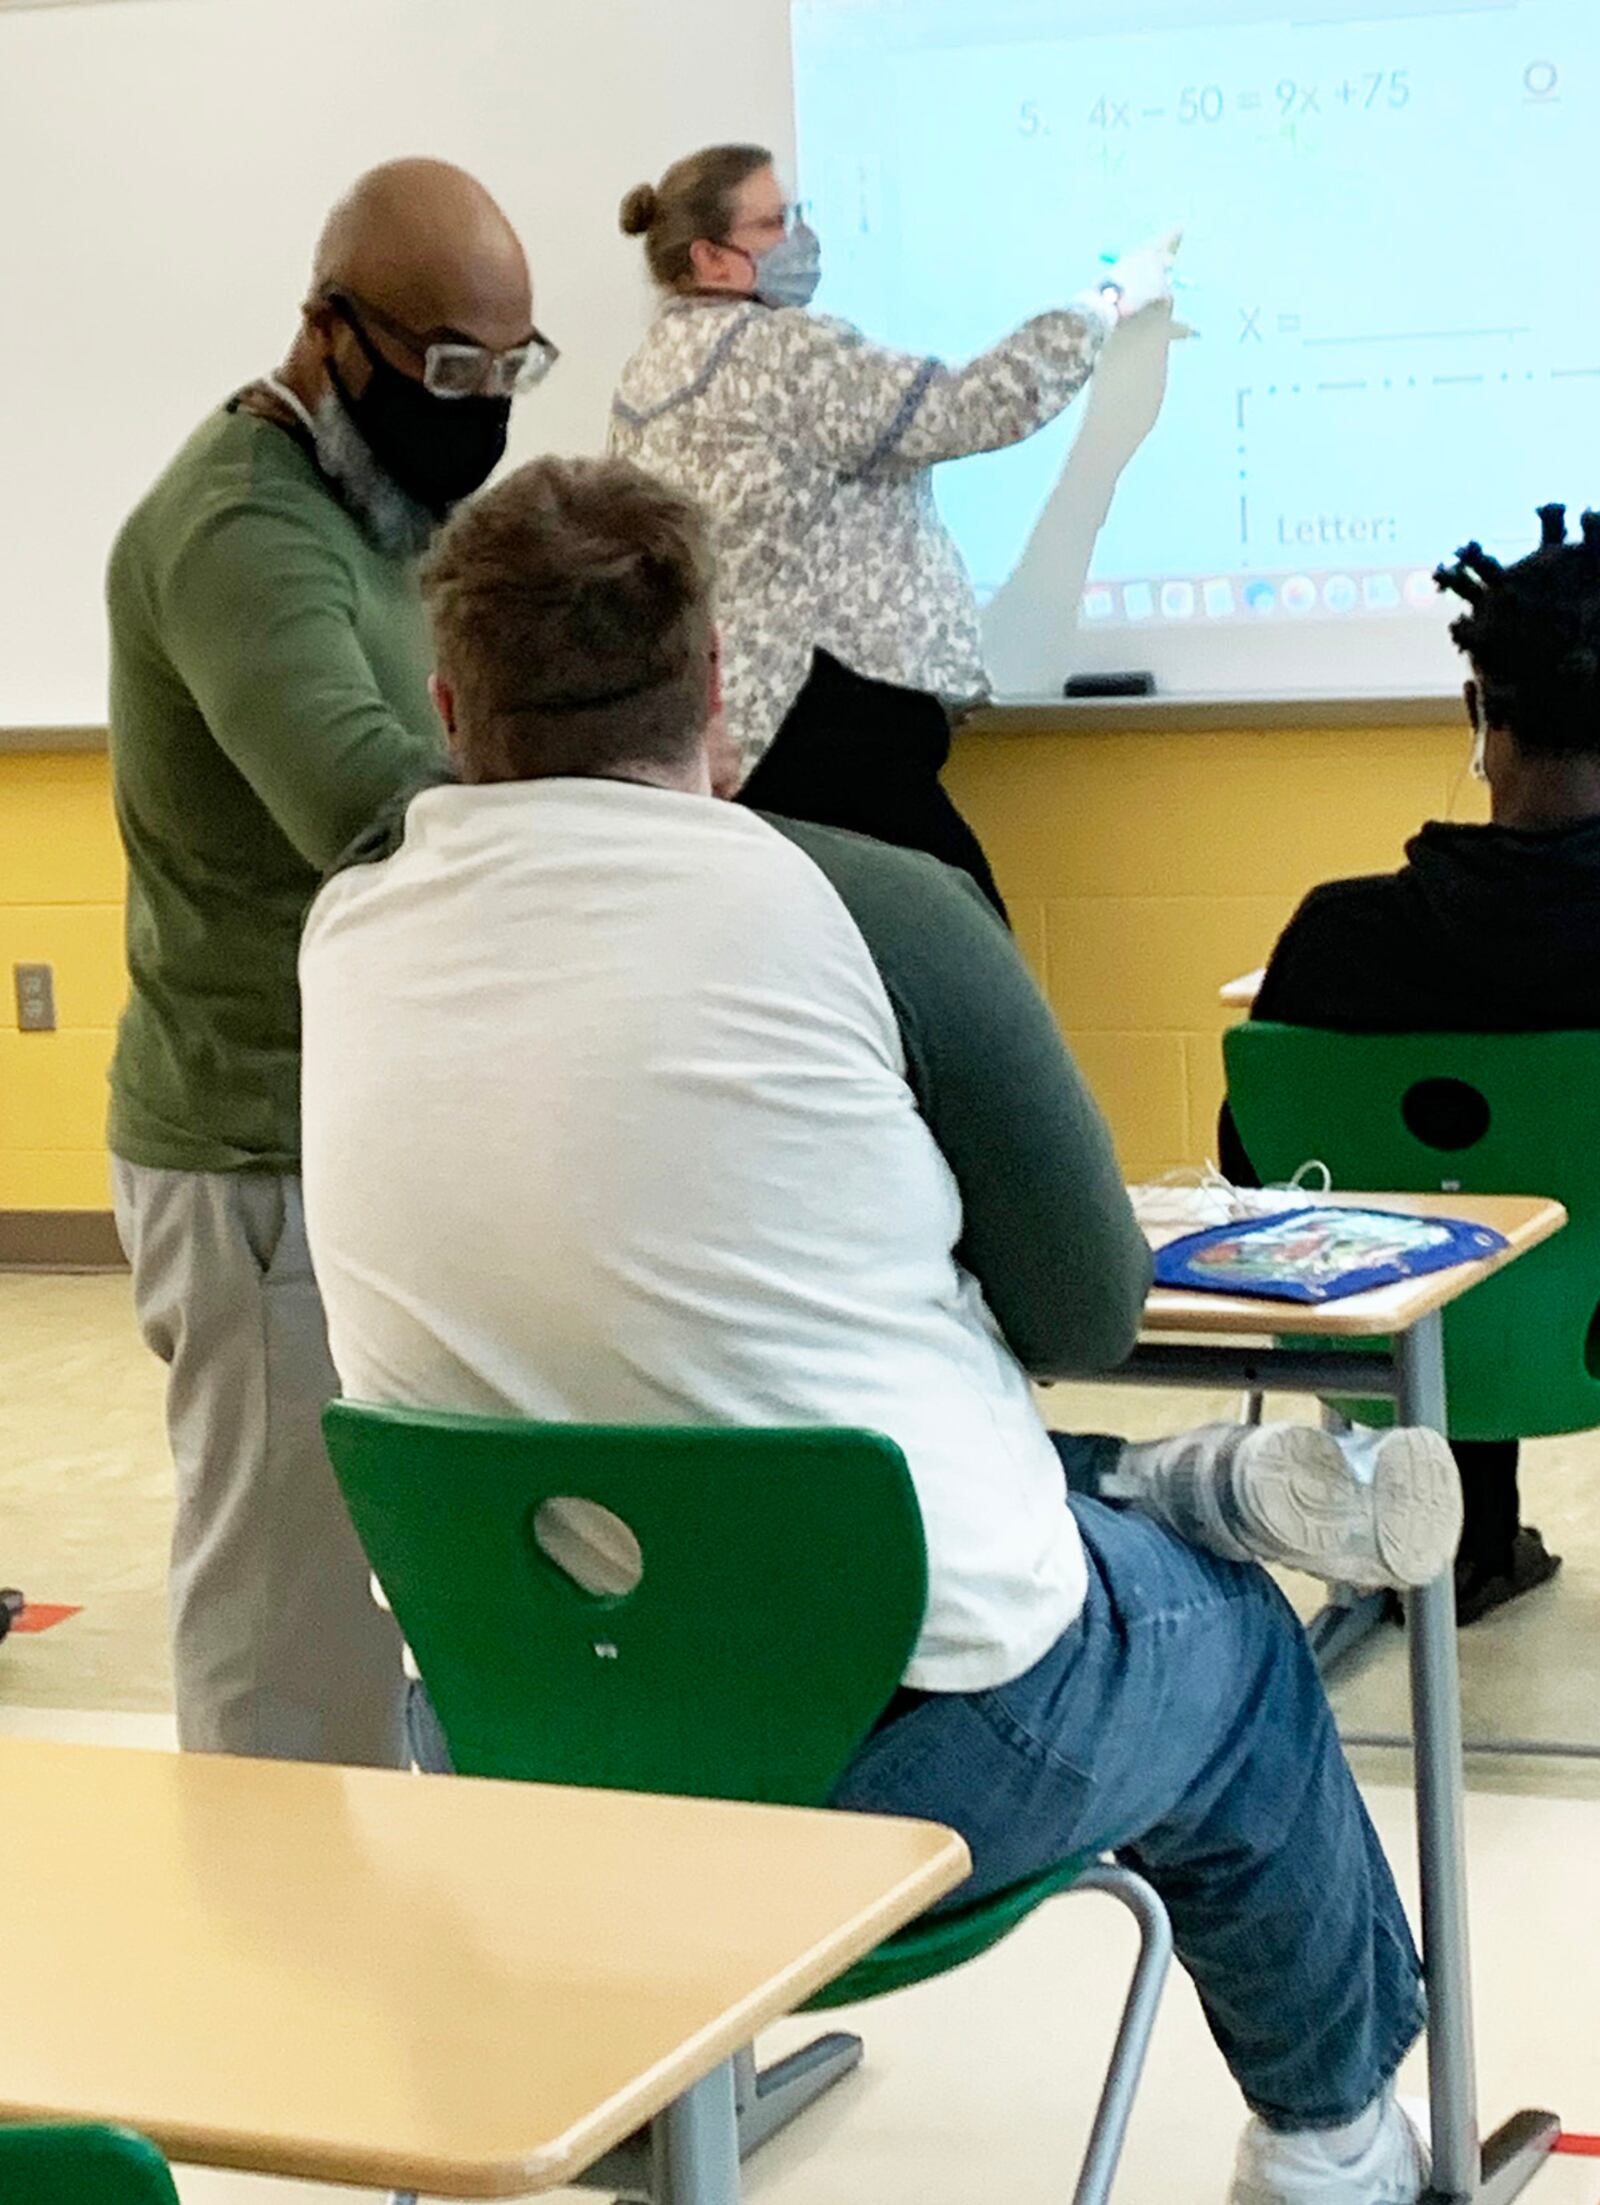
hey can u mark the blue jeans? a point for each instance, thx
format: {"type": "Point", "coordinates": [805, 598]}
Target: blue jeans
{"type": "Point", "coordinates": [1180, 1723]}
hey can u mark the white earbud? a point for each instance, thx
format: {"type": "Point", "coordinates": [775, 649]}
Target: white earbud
{"type": "Point", "coordinates": [1480, 738]}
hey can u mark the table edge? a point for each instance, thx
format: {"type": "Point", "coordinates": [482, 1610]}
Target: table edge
{"type": "Point", "coordinates": [556, 2162]}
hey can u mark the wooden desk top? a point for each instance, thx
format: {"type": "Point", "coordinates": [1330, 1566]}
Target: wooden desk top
{"type": "Point", "coordinates": [1525, 1220]}
{"type": "Point", "coordinates": [431, 1983]}
{"type": "Point", "coordinates": [1241, 993]}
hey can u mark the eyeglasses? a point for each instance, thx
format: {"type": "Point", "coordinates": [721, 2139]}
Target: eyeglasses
{"type": "Point", "coordinates": [452, 365]}
{"type": "Point", "coordinates": [797, 211]}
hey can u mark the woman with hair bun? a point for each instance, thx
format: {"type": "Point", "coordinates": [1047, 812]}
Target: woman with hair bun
{"type": "Point", "coordinates": [849, 624]}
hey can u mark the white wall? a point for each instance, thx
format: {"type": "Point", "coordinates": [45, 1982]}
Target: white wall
{"type": "Point", "coordinates": [165, 166]}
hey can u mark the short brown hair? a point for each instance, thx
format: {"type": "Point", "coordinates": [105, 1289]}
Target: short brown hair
{"type": "Point", "coordinates": [571, 610]}
{"type": "Point", "coordinates": [694, 199]}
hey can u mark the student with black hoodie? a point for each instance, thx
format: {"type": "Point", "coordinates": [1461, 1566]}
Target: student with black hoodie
{"type": "Point", "coordinates": [1490, 929]}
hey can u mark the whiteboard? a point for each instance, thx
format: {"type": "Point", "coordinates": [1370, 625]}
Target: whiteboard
{"type": "Point", "coordinates": [165, 166]}
{"type": "Point", "coordinates": [1399, 343]}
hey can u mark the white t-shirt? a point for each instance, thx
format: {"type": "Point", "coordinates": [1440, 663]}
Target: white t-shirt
{"type": "Point", "coordinates": [607, 1117]}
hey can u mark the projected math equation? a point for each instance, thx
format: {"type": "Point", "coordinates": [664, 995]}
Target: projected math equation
{"type": "Point", "coordinates": [1289, 100]}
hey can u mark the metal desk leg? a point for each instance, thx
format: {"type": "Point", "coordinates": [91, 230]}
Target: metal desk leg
{"type": "Point", "coordinates": [695, 2145]}
{"type": "Point", "coordinates": [1441, 1839]}
{"type": "Point", "coordinates": [769, 2098]}
{"type": "Point", "coordinates": [1514, 2154]}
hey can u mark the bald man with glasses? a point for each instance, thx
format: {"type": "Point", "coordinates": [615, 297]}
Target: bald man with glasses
{"type": "Point", "coordinates": [269, 697]}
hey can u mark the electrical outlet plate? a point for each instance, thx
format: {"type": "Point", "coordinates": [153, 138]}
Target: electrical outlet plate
{"type": "Point", "coordinates": [36, 999]}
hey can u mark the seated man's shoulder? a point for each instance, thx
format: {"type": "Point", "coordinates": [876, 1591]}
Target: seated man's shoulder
{"type": "Point", "coordinates": [911, 880]}
{"type": "Point", "coordinates": [1360, 896]}
{"type": "Point", "coordinates": [1353, 953]}
{"type": "Point", "coordinates": [384, 835]}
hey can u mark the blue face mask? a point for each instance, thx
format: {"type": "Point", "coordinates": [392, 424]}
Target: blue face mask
{"type": "Point", "coordinates": [787, 274]}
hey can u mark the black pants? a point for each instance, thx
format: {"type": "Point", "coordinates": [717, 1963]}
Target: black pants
{"type": "Point", "coordinates": [1489, 1488]}
{"type": "Point", "coordinates": [867, 755]}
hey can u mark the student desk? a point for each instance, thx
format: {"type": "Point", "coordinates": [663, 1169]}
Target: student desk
{"type": "Point", "coordinates": [1238, 995]}
{"type": "Point", "coordinates": [466, 1988]}
{"type": "Point", "coordinates": [1210, 1340]}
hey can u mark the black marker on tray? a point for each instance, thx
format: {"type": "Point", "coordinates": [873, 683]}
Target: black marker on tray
{"type": "Point", "coordinates": [1110, 685]}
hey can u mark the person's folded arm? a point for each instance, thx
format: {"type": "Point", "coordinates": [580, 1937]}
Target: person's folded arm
{"type": "Point", "coordinates": [259, 619]}
{"type": "Point", "coordinates": [1048, 1231]}
{"type": "Point", "coordinates": [868, 410]}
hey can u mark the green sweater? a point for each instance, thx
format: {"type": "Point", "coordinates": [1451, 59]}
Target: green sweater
{"type": "Point", "coordinates": [268, 696]}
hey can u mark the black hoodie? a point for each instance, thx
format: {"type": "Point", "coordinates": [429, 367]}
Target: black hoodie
{"type": "Point", "coordinates": [1484, 930]}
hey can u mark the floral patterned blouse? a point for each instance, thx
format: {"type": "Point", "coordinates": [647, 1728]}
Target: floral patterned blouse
{"type": "Point", "coordinates": [812, 449]}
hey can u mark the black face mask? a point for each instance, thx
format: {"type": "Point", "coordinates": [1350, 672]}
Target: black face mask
{"type": "Point", "coordinates": [437, 450]}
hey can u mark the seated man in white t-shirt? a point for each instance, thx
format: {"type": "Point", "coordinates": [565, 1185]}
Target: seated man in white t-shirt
{"type": "Point", "coordinates": [624, 1104]}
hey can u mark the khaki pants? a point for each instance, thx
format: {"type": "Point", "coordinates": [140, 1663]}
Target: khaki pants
{"type": "Point", "coordinates": [278, 1648]}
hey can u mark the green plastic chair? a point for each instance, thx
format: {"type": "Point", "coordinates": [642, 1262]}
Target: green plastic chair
{"type": "Point", "coordinates": [81, 2166]}
{"type": "Point", "coordinates": [783, 1589]}
{"type": "Point", "coordinates": [1463, 1114]}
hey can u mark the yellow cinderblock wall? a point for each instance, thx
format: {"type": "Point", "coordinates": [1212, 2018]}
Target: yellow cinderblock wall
{"type": "Point", "coordinates": [61, 881]}
{"type": "Point", "coordinates": [1142, 870]}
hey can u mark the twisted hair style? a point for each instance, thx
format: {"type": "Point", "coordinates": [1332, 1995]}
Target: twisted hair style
{"type": "Point", "coordinates": [1532, 632]}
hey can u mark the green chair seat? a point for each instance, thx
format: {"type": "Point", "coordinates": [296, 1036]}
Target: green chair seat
{"type": "Point", "coordinates": [81, 2165]}
{"type": "Point", "coordinates": [945, 1940]}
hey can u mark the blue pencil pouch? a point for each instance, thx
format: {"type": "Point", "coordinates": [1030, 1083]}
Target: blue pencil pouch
{"type": "Point", "coordinates": [1320, 1254]}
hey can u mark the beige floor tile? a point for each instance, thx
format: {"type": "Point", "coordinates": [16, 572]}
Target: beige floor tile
{"type": "Point", "coordinates": [85, 1494]}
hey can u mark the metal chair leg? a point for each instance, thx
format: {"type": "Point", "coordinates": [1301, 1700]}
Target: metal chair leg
{"type": "Point", "coordinates": [1252, 1407]}
{"type": "Point", "coordinates": [1347, 1622]}
{"type": "Point", "coordinates": [1133, 2032]}
{"type": "Point", "coordinates": [768, 2100]}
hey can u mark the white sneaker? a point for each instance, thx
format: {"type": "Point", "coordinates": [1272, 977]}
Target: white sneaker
{"type": "Point", "coordinates": [1366, 1510]}
{"type": "Point", "coordinates": [1371, 1510]}
{"type": "Point", "coordinates": [1306, 2169]}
